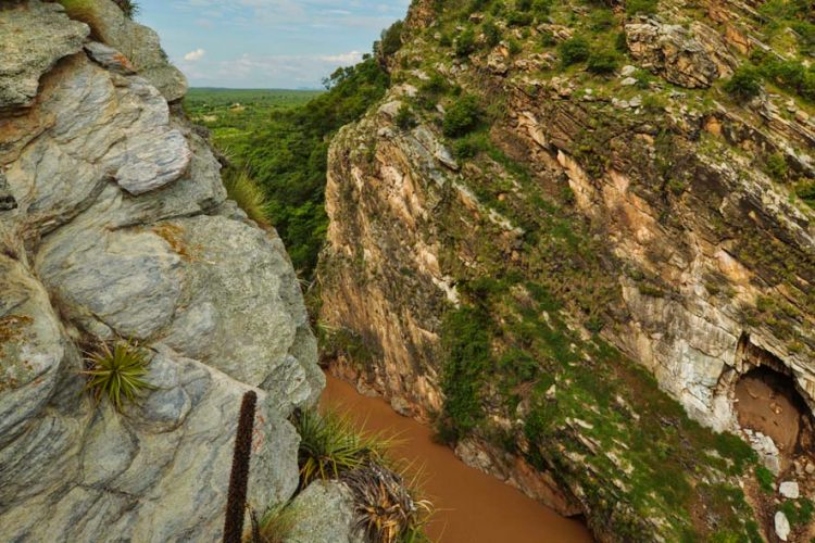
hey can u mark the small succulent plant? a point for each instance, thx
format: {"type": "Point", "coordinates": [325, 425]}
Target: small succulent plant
{"type": "Point", "coordinates": [117, 372]}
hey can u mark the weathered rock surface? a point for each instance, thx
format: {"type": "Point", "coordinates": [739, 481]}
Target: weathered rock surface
{"type": "Point", "coordinates": [140, 45]}
{"type": "Point", "coordinates": [113, 223]}
{"type": "Point", "coordinates": [327, 512]}
{"type": "Point", "coordinates": [672, 51]}
{"type": "Point", "coordinates": [30, 50]}
{"type": "Point", "coordinates": [660, 214]}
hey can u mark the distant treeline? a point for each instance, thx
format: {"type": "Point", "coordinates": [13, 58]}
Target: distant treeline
{"type": "Point", "coordinates": [281, 137]}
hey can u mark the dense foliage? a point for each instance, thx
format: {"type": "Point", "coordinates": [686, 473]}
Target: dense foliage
{"type": "Point", "coordinates": [284, 149]}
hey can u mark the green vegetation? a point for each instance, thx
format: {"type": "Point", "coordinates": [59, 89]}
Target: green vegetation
{"type": "Point", "coordinates": [128, 7]}
{"type": "Point", "coordinates": [386, 507]}
{"type": "Point", "coordinates": [602, 62]}
{"type": "Point", "coordinates": [250, 198]}
{"type": "Point", "coordinates": [798, 512]}
{"type": "Point", "coordinates": [330, 446]}
{"type": "Point", "coordinates": [766, 479]}
{"type": "Point", "coordinates": [467, 354]}
{"type": "Point", "coordinates": [282, 144]}
{"type": "Point", "coordinates": [275, 526]}
{"type": "Point", "coordinates": [117, 372]}
{"type": "Point", "coordinates": [462, 117]}
{"type": "Point", "coordinates": [645, 7]}
{"type": "Point", "coordinates": [573, 51]}
{"type": "Point", "coordinates": [744, 85]}
{"type": "Point", "coordinates": [391, 39]}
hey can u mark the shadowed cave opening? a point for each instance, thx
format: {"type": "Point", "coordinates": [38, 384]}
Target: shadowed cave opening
{"type": "Point", "coordinates": [768, 400]}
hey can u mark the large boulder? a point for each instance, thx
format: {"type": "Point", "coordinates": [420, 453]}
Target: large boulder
{"type": "Point", "coordinates": [114, 223]}
{"type": "Point", "coordinates": [34, 39]}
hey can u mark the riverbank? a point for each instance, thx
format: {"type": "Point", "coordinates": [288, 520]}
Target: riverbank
{"type": "Point", "coordinates": [471, 506]}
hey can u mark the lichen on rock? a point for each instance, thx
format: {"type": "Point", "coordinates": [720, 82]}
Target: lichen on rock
{"type": "Point", "coordinates": [114, 223]}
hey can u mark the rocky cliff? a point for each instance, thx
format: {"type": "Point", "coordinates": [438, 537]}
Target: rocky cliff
{"type": "Point", "coordinates": [114, 224]}
{"type": "Point", "coordinates": [554, 195]}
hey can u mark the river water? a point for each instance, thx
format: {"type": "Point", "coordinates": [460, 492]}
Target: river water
{"type": "Point", "coordinates": [471, 506]}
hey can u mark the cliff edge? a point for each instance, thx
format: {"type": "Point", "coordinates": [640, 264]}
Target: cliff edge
{"type": "Point", "coordinates": [114, 224]}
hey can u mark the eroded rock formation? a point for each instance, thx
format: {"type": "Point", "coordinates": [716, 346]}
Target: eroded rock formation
{"type": "Point", "coordinates": [642, 215]}
{"type": "Point", "coordinates": [114, 223]}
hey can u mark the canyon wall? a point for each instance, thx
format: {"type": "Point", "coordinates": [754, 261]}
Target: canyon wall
{"type": "Point", "coordinates": [634, 208]}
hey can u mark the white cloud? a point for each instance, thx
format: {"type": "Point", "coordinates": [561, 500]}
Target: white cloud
{"type": "Point", "coordinates": [344, 59]}
{"type": "Point", "coordinates": [192, 56]}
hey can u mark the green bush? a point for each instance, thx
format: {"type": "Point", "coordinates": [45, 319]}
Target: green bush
{"type": "Point", "coordinates": [243, 190]}
{"type": "Point", "coordinates": [465, 43]}
{"type": "Point", "coordinates": [602, 62]}
{"type": "Point", "coordinates": [574, 51]}
{"type": "Point", "coordinates": [601, 20]}
{"type": "Point", "coordinates": [766, 479]}
{"type": "Point", "coordinates": [330, 446]}
{"type": "Point", "coordinates": [621, 42]}
{"type": "Point", "coordinates": [128, 7]}
{"type": "Point", "coordinates": [519, 18]}
{"type": "Point", "coordinates": [404, 117]}
{"type": "Point", "coordinates": [462, 117]}
{"type": "Point", "coordinates": [744, 85]}
{"type": "Point", "coordinates": [275, 526]}
{"type": "Point", "coordinates": [391, 39]}
{"type": "Point", "coordinates": [646, 7]}
{"type": "Point", "coordinates": [492, 34]}
{"type": "Point", "coordinates": [117, 372]}
{"type": "Point", "coordinates": [776, 166]}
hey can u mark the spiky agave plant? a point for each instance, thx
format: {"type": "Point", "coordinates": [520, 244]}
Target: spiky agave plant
{"type": "Point", "coordinates": [385, 507]}
{"type": "Point", "coordinates": [330, 446]}
{"type": "Point", "coordinates": [117, 372]}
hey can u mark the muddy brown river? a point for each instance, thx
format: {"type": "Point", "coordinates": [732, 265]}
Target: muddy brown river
{"type": "Point", "coordinates": [471, 507]}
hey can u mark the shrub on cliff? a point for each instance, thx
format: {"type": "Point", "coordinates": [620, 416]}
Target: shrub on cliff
{"type": "Point", "coordinates": [602, 62]}
{"type": "Point", "coordinates": [391, 39]}
{"type": "Point", "coordinates": [744, 85]}
{"type": "Point", "coordinates": [574, 51]}
{"type": "Point", "coordinates": [241, 188]}
{"type": "Point", "coordinates": [329, 446]}
{"type": "Point", "coordinates": [462, 117]}
{"type": "Point", "coordinates": [465, 43]}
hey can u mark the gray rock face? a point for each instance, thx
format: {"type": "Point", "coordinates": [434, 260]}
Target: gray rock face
{"type": "Point", "coordinates": [112, 223]}
{"type": "Point", "coordinates": [141, 46]}
{"type": "Point", "coordinates": [673, 52]}
{"type": "Point", "coordinates": [31, 41]}
{"type": "Point", "coordinates": [326, 515]}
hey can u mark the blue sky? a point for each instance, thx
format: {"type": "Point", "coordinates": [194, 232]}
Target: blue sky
{"type": "Point", "coordinates": [266, 43]}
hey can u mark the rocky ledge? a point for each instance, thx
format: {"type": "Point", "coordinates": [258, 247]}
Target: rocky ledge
{"type": "Point", "coordinates": [114, 223]}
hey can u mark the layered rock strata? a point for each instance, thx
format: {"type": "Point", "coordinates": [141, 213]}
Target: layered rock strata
{"type": "Point", "coordinates": [114, 224]}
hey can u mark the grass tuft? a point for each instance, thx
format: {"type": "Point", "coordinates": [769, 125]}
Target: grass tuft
{"type": "Point", "coordinates": [117, 372]}
{"type": "Point", "coordinates": [275, 526]}
{"type": "Point", "coordinates": [241, 188]}
{"type": "Point", "coordinates": [330, 446]}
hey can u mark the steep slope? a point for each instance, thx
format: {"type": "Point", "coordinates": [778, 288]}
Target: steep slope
{"type": "Point", "coordinates": [555, 195]}
{"type": "Point", "coordinates": [114, 224]}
